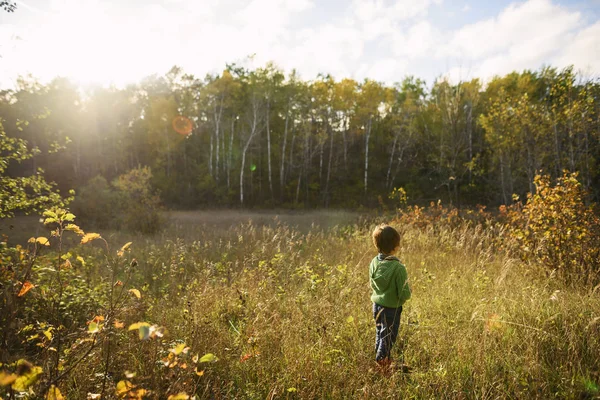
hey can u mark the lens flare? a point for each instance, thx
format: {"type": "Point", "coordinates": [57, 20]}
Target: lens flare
{"type": "Point", "coordinates": [253, 167]}
{"type": "Point", "coordinates": [182, 125]}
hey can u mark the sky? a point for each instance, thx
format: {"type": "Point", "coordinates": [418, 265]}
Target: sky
{"type": "Point", "coordinates": [121, 41]}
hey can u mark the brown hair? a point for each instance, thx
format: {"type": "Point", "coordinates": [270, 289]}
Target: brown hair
{"type": "Point", "coordinates": [386, 238]}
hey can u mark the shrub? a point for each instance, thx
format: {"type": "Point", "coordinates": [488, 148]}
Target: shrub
{"type": "Point", "coordinates": [141, 205]}
{"type": "Point", "coordinates": [128, 203]}
{"type": "Point", "coordinates": [557, 229]}
{"type": "Point", "coordinates": [98, 204]}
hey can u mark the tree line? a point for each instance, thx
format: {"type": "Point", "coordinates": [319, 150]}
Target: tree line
{"type": "Point", "coordinates": [263, 138]}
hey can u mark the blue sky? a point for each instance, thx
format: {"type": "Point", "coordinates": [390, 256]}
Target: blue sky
{"type": "Point", "coordinates": [109, 41]}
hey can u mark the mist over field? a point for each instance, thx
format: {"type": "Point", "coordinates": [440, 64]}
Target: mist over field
{"type": "Point", "coordinates": [189, 191]}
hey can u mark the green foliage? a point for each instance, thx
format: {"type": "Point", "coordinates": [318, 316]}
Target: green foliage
{"type": "Point", "coordinates": [98, 204]}
{"type": "Point", "coordinates": [141, 205]}
{"type": "Point", "coordinates": [128, 203]}
{"type": "Point", "coordinates": [306, 144]}
{"type": "Point", "coordinates": [25, 193]}
{"type": "Point", "coordinates": [399, 196]}
{"type": "Point", "coordinates": [557, 229]}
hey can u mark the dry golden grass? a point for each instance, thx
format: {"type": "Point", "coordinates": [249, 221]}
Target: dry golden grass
{"type": "Point", "coordinates": [287, 313]}
{"type": "Point", "coordinates": [480, 324]}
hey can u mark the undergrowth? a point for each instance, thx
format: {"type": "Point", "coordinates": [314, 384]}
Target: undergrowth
{"type": "Point", "coordinates": [271, 312]}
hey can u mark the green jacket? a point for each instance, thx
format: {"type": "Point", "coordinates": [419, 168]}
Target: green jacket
{"type": "Point", "coordinates": [389, 281]}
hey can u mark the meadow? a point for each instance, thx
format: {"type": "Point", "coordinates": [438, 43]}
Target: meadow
{"type": "Point", "coordinates": [258, 305]}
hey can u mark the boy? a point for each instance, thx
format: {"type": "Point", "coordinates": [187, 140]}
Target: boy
{"type": "Point", "coordinates": [389, 284]}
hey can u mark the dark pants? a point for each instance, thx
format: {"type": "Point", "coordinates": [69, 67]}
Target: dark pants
{"type": "Point", "coordinates": [387, 324]}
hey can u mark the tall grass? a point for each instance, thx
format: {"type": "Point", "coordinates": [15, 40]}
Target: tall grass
{"type": "Point", "coordinates": [288, 315]}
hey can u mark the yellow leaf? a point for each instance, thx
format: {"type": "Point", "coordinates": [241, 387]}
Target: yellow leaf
{"type": "Point", "coordinates": [199, 373]}
{"type": "Point", "coordinates": [23, 382]}
{"type": "Point", "coordinates": [6, 378]}
{"type": "Point", "coordinates": [54, 394]}
{"type": "Point", "coordinates": [136, 293]}
{"type": "Point", "coordinates": [179, 396]}
{"type": "Point", "coordinates": [81, 260]}
{"type": "Point", "coordinates": [31, 240]}
{"type": "Point", "coordinates": [74, 228]}
{"type": "Point", "coordinates": [178, 349]}
{"type": "Point", "coordinates": [137, 325]}
{"type": "Point", "coordinates": [27, 286]}
{"type": "Point", "coordinates": [123, 249]}
{"type": "Point", "coordinates": [43, 241]}
{"type": "Point", "coordinates": [48, 333]}
{"type": "Point", "coordinates": [88, 237]}
{"type": "Point", "coordinates": [123, 387]}
{"type": "Point", "coordinates": [137, 394]}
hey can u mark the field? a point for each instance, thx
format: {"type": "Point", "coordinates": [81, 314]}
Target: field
{"type": "Point", "coordinates": [280, 304]}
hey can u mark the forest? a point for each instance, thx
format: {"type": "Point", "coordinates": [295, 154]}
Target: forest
{"type": "Point", "coordinates": [261, 138]}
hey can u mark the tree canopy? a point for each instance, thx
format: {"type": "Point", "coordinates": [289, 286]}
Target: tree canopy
{"type": "Point", "coordinates": [265, 138]}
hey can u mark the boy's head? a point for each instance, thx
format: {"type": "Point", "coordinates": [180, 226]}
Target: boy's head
{"type": "Point", "coordinates": [386, 238]}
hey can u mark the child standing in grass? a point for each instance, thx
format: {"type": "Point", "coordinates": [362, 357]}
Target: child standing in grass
{"type": "Point", "coordinates": [389, 284]}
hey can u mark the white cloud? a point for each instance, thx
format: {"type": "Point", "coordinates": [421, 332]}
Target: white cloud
{"type": "Point", "coordinates": [532, 21]}
{"type": "Point", "coordinates": [420, 40]}
{"type": "Point", "coordinates": [330, 48]}
{"type": "Point", "coordinates": [386, 70]}
{"type": "Point", "coordinates": [94, 40]}
{"type": "Point", "coordinates": [409, 9]}
{"type": "Point", "coordinates": [523, 36]}
{"type": "Point", "coordinates": [583, 50]}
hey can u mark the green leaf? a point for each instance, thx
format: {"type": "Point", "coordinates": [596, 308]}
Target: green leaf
{"type": "Point", "coordinates": [208, 358]}
{"type": "Point", "coordinates": [49, 213]}
{"type": "Point", "coordinates": [50, 220]}
{"type": "Point", "coordinates": [143, 329]}
{"type": "Point", "coordinates": [69, 217]}
{"type": "Point", "coordinates": [93, 327]}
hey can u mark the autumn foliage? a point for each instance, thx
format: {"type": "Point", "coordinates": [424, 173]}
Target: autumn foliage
{"type": "Point", "coordinates": [558, 229]}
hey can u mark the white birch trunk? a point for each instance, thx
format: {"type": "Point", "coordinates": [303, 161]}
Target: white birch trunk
{"type": "Point", "coordinates": [269, 146]}
{"type": "Point", "coordinates": [367, 136]}
{"type": "Point", "coordinates": [282, 169]}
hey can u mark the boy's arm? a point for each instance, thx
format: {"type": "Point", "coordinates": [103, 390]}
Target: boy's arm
{"type": "Point", "coordinates": [402, 284]}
